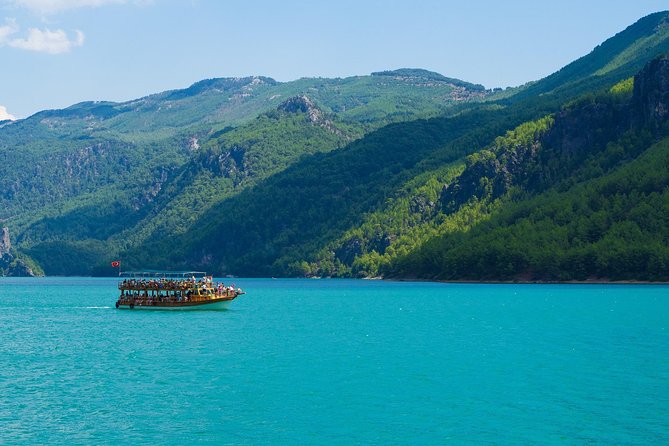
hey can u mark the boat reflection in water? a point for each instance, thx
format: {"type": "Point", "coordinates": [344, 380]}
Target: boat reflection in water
{"type": "Point", "coordinates": [162, 290]}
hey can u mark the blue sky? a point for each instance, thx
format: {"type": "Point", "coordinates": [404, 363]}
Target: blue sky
{"type": "Point", "coordinates": [54, 53]}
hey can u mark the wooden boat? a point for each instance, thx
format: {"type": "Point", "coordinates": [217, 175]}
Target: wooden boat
{"type": "Point", "coordinates": [187, 290]}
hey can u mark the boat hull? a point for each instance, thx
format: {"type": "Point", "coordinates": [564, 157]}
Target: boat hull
{"type": "Point", "coordinates": [182, 306]}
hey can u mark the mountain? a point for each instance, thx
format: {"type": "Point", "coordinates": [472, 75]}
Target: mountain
{"type": "Point", "coordinates": [403, 173]}
{"type": "Point", "coordinates": [61, 154]}
{"type": "Point", "coordinates": [582, 194]}
{"type": "Point", "coordinates": [79, 179]}
{"type": "Point", "coordinates": [363, 210]}
{"type": "Point", "coordinates": [228, 162]}
{"type": "Point", "coordinates": [293, 212]}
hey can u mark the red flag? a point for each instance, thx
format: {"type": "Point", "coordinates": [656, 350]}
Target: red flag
{"type": "Point", "coordinates": [116, 264]}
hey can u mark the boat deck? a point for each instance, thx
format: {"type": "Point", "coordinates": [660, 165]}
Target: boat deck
{"type": "Point", "coordinates": [174, 293]}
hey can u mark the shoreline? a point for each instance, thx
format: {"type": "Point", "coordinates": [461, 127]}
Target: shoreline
{"type": "Point", "coordinates": [529, 282]}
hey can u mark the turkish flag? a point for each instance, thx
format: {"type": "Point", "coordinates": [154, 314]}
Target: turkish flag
{"type": "Point", "coordinates": [116, 264]}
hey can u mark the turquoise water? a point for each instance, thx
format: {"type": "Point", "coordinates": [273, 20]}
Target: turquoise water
{"type": "Point", "coordinates": [337, 362]}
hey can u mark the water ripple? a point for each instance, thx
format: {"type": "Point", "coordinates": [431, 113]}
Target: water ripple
{"type": "Point", "coordinates": [339, 362]}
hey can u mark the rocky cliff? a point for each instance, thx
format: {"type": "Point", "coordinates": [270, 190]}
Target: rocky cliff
{"type": "Point", "coordinates": [10, 263]}
{"type": "Point", "coordinates": [303, 104]}
{"type": "Point", "coordinates": [5, 244]}
{"type": "Point", "coordinates": [651, 92]}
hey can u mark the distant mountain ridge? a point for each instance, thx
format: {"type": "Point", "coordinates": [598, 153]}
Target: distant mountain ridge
{"type": "Point", "coordinates": [165, 124]}
{"type": "Point", "coordinates": [418, 73]}
{"type": "Point", "coordinates": [253, 94]}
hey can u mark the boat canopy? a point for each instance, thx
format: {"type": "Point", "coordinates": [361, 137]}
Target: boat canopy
{"type": "Point", "coordinates": [150, 274]}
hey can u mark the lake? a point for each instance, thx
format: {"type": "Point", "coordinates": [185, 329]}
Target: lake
{"type": "Point", "coordinates": [337, 362]}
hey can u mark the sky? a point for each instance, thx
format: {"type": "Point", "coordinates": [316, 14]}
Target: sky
{"type": "Point", "coordinates": [55, 53]}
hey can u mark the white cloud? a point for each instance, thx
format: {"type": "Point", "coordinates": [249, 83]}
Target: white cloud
{"type": "Point", "coordinates": [10, 27]}
{"type": "Point", "coordinates": [43, 40]}
{"type": "Point", "coordinates": [47, 41]}
{"type": "Point", "coordinates": [54, 6]}
{"type": "Point", "coordinates": [4, 115]}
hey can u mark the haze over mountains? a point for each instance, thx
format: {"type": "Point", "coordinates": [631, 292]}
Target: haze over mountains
{"type": "Point", "coordinates": [403, 173]}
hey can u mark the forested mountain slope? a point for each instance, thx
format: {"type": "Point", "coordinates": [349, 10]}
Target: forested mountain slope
{"type": "Point", "coordinates": [58, 155]}
{"type": "Point", "coordinates": [227, 163]}
{"type": "Point", "coordinates": [582, 195]}
{"type": "Point", "coordinates": [87, 180]}
{"type": "Point", "coordinates": [613, 227]}
{"type": "Point", "coordinates": [264, 230]}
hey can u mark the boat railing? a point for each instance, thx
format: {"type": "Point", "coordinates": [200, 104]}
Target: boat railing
{"type": "Point", "coordinates": [193, 292]}
{"type": "Point", "coordinates": [169, 286]}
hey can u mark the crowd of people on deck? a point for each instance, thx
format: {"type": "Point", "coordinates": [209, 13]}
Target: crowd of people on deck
{"type": "Point", "coordinates": [152, 291]}
{"type": "Point", "coordinates": [204, 283]}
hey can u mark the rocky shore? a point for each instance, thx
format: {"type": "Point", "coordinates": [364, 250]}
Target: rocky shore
{"type": "Point", "coordinates": [11, 264]}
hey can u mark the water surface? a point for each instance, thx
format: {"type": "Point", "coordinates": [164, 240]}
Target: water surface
{"type": "Point", "coordinates": [337, 362]}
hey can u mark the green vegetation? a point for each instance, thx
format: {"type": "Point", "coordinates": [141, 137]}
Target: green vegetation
{"type": "Point", "coordinates": [61, 154]}
{"type": "Point", "coordinates": [585, 199]}
{"type": "Point", "coordinates": [18, 264]}
{"type": "Point", "coordinates": [623, 87]}
{"type": "Point", "coordinates": [416, 74]}
{"type": "Point", "coordinates": [407, 236]}
{"type": "Point", "coordinates": [113, 175]}
{"type": "Point", "coordinates": [293, 214]}
{"type": "Point", "coordinates": [612, 227]}
{"type": "Point", "coordinates": [234, 161]}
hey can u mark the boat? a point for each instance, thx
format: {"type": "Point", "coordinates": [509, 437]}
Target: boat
{"type": "Point", "coordinates": [162, 290]}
